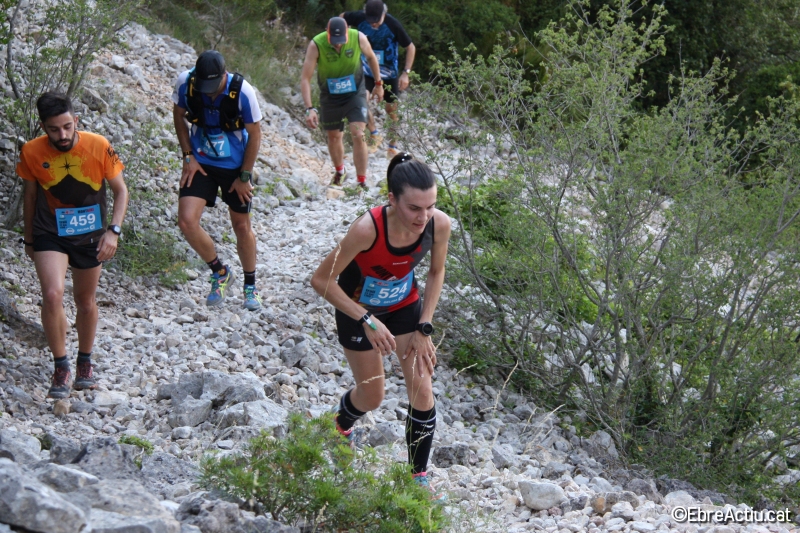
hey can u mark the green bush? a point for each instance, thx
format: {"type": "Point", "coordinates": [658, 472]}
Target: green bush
{"type": "Point", "coordinates": [636, 265]}
{"type": "Point", "coordinates": [313, 477]}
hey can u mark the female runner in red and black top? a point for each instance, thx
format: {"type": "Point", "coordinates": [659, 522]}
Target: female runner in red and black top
{"type": "Point", "coordinates": [378, 308]}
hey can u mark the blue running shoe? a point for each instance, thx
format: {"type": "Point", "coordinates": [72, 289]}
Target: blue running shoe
{"type": "Point", "coordinates": [421, 479]}
{"type": "Point", "coordinates": [252, 301]}
{"type": "Point", "coordinates": [219, 284]}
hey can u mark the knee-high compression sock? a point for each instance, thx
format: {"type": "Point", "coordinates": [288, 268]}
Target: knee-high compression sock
{"type": "Point", "coordinates": [419, 437]}
{"type": "Point", "coordinates": [348, 414]}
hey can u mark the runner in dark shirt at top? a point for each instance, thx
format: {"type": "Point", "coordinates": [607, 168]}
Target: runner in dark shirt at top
{"type": "Point", "coordinates": [386, 35]}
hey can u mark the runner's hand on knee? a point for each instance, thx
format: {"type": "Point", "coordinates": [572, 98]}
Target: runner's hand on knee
{"type": "Point", "coordinates": [244, 189]}
{"type": "Point", "coordinates": [189, 169]}
{"type": "Point", "coordinates": [380, 338]}
{"type": "Point", "coordinates": [421, 347]}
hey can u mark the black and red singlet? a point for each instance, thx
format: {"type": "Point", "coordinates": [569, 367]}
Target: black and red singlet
{"type": "Point", "coordinates": [381, 278]}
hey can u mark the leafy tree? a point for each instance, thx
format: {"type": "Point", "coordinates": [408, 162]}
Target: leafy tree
{"type": "Point", "coordinates": [639, 267]}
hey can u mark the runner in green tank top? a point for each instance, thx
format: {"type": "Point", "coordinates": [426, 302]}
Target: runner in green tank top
{"type": "Point", "coordinates": [336, 53]}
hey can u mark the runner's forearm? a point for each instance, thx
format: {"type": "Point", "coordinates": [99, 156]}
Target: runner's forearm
{"type": "Point", "coordinates": [411, 52]}
{"type": "Point", "coordinates": [28, 208]}
{"type": "Point", "coordinates": [433, 289]}
{"type": "Point", "coordinates": [253, 144]}
{"type": "Point", "coordinates": [181, 128]}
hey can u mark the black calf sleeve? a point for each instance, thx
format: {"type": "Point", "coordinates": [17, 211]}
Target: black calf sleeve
{"type": "Point", "coordinates": [419, 437]}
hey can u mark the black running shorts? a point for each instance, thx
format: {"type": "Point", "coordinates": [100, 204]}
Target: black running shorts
{"type": "Point", "coordinates": [399, 322]}
{"type": "Point", "coordinates": [331, 116]}
{"type": "Point", "coordinates": [80, 256]}
{"type": "Point", "coordinates": [390, 92]}
{"type": "Point", "coordinates": [206, 187]}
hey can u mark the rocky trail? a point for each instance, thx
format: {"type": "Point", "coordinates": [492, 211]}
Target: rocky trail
{"type": "Point", "coordinates": [190, 379]}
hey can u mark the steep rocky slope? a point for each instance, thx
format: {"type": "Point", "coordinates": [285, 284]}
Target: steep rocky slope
{"type": "Point", "coordinates": [191, 379]}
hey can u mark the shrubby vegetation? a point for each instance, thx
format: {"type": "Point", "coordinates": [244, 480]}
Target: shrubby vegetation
{"type": "Point", "coordinates": [638, 267]}
{"type": "Point", "coordinates": [312, 477]}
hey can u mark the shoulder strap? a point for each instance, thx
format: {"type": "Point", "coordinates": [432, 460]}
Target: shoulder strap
{"type": "Point", "coordinates": [194, 101]}
{"type": "Point", "coordinates": [230, 115]}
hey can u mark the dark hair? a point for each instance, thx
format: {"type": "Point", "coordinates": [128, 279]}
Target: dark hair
{"type": "Point", "coordinates": [405, 170]}
{"type": "Point", "coordinates": [52, 104]}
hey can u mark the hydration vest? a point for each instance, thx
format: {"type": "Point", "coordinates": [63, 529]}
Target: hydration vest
{"type": "Point", "coordinates": [230, 118]}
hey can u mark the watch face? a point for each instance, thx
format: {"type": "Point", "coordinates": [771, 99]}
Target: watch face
{"type": "Point", "coordinates": [426, 328]}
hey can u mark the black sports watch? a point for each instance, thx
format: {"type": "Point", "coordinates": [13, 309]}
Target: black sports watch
{"type": "Point", "coordinates": [116, 230]}
{"type": "Point", "coordinates": [245, 175]}
{"type": "Point", "coordinates": [426, 328]}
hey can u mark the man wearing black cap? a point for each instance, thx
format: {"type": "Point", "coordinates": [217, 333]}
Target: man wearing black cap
{"type": "Point", "coordinates": [385, 35]}
{"type": "Point", "coordinates": [336, 54]}
{"type": "Point", "coordinates": [217, 120]}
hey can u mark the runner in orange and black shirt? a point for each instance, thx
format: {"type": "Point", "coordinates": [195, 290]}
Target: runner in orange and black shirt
{"type": "Point", "coordinates": [65, 173]}
{"type": "Point", "coordinates": [378, 308]}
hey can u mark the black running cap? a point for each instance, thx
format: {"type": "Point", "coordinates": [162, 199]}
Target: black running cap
{"type": "Point", "coordinates": [209, 69]}
{"type": "Point", "coordinates": [337, 31]}
{"type": "Point", "coordinates": [374, 10]}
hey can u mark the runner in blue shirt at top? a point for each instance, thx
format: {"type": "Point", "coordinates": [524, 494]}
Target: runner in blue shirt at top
{"type": "Point", "coordinates": [385, 34]}
{"type": "Point", "coordinates": [217, 120]}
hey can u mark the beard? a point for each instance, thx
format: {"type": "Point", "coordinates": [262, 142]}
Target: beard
{"type": "Point", "coordinates": [64, 145]}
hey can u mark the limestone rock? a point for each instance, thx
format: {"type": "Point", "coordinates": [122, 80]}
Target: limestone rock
{"type": "Point", "coordinates": [387, 433]}
{"type": "Point", "coordinates": [109, 522]}
{"type": "Point", "coordinates": [65, 479]}
{"type": "Point", "coordinates": [62, 449]}
{"type": "Point", "coordinates": [190, 413]}
{"type": "Point", "coordinates": [19, 447]}
{"type": "Point", "coordinates": [456, 454]}
{"type": "Point", "coordinates": [108, 460]}
{"type": "Point", "coordinates": [541, 496]}
{"type": "Point", "coordinates": [29, 503]}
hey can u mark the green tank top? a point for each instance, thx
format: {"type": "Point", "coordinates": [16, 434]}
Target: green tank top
{"type": "Point", "coordinates": [339, 74]}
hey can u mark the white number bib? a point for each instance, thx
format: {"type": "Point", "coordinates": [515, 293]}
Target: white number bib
{"type": "Point", "coordinates": [78, 220]}
{"type": "Point", "coordinates": [379, 54]}
{"type": "Point", "coordinates": [342, 85]}
{"type": "Point", "coordinates": [382, 293]}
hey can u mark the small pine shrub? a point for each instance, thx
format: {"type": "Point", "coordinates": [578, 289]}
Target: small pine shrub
{"type": "Point", "coordinates": [312, 477]}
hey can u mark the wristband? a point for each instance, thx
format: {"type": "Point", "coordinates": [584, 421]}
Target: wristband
{"type": "Point", "coordinates": [187, 153]}
{"type": "Point", "coordinates": [378, 82]}
{"type": "Point", "coordinates": [407, 71]}
{"type": "Point", "coordinates": [310, 109]}
{"type": "Point", "coordinates": [367, 320]}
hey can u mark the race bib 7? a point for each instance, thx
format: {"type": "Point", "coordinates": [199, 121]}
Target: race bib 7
{"type": "Point", "coordinates": [342, 85]}
{"type": "Point", "coordinates": [382, 293]}
{"type": "Point", "coordinates": [78, 220]}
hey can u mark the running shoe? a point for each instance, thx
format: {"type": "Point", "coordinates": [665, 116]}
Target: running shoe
{"type": "Point", "coordinates": [422, 480]}
{"type": "Point", "coordinates": [392, 151]}
{"type": "Point", "coordinates": [339, 177]}
{"type": "Point", "coordinates": [62, 382]}
{"type": "Point", "coordinates": [374, 142]}
{"type": "Point", "coordinates": [219, 284]}
{"type": "Point", "coordinates": [252, 301]}
{"type": "Point", "coordinates": [85, 377]}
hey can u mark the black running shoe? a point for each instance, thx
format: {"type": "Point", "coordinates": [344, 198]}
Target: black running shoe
{"type": "Point", "coordinates": [85, 379]}
{"type": "Point", "coordinates": [62, 380]}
